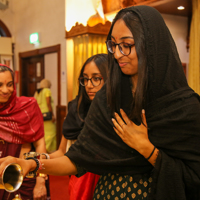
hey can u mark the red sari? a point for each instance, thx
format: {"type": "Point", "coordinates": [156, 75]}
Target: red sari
{"type": "Point", "coordinates": [21, 122]}
{"type": "Point", "coordinates": [82, 188]}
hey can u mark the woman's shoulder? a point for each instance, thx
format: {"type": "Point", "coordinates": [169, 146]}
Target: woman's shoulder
{"type": "Point", "coordinates": [73, 104]}
{"type": "Point", "coordinates": [46, 90]}
{"type": "Point", "coordinates": [23, 100]}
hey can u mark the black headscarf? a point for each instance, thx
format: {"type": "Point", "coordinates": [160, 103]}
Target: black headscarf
{"type": "Point", "coordinates": [173, 116]}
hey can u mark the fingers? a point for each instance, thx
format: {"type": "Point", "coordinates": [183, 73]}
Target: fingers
{"type": "Point", "coordinates": [6, 161]}
{"type": "Point", "coordinates": [2, 165]}
{"type": "Point", "coordinates": [40, 196]}
{"type": "Point", "coordinates": [118, 132]}
{"type": "Point", "coordinates": [117, 126]}
{"type": "Point", "coordinates": [2, 160]}
{"type": "Point", "coordinates": [144, 117]}
{"type": "Point", "coordinates": [119, 119]}
{"type": "Point", "coordinates": [127, 120]}
{"type": "Point", "coordinates": [124, 116]}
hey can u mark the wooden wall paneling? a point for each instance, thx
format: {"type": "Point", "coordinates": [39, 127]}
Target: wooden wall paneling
{"type": "Point", "coordinates": [61, 112]}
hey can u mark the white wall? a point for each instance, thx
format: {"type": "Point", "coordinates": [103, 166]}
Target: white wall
{"type": "Point", "coordinates": [50, 71]}
{"type": "Point", "coordinates": [178, 27]}
{"type": "Point", "coordinates": [47, 17]}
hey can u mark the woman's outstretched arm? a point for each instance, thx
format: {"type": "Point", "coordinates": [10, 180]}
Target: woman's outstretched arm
{"type": "Point", "coordinates": [59, 166]}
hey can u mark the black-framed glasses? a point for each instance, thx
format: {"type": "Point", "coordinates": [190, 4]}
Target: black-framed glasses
{"type": "Point", "coordinates": [124, 47]}
{"type": "Point", "coordinates": [96, 81]}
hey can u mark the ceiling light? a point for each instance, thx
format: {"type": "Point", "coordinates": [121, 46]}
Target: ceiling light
{"type": "Point", "coordinates": [181, 8]}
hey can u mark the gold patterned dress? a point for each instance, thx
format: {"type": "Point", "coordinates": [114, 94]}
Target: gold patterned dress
{"type": "Point", "coordinates": [116, 187]}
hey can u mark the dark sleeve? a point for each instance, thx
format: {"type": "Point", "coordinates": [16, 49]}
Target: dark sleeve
{"type": "Point", "coordinates": [81, 171]}
{"type": "Point", "coordinates": [72, 124]}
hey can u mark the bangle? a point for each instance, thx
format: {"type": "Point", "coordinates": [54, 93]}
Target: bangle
{"type": "Point", "coordinates": [41, 165]}
{"type": "Point", "coordinates": [47, 155]}
{"type": "Point", "coordinates": [151, 153]}
{"type": "Point", "coordinates": [37, 162]}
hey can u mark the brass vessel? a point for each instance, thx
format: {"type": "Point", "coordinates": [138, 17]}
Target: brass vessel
{"type": "Point", "coordinates": [17, 197]}
{"type": "Point", "coordinates": [11, 178]}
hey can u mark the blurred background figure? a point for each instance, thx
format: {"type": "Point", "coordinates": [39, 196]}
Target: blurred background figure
{"type": "Point", "coordinates": [45, 102]}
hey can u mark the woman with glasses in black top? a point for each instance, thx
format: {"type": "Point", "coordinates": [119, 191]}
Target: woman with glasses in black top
{"type": "Point", "coordinates": [92, 76]}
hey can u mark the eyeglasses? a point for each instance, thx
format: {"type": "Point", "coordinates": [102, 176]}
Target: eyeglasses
{"type": "Point", "coordinates": [124, 48]}
{"type": "Point", "coordinates": [96, 81]}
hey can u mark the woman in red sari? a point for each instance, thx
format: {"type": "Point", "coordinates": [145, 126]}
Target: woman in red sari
{"type": "Point", "coordinates": [91, 79]}
{"type": "Point", "coordinates": [21, 131]}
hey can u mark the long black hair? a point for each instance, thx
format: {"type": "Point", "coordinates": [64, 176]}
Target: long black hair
{"type": "Point", "coordinates": [101, 61]}
{"type": "Point", "coordinates": [114, 79]}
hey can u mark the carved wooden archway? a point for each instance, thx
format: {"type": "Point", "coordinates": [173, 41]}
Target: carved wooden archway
{"type": "Point", "coordinates": [4, 30]}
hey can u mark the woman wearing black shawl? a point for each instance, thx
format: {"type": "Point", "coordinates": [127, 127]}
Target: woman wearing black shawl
{"type": "Point", "coordinates": [94, 69]}
{"type": "Point", "coordinates": [172, 113]}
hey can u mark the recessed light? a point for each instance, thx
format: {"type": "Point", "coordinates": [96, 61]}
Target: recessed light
{"type": "Point", "coordinates": [180, 8]}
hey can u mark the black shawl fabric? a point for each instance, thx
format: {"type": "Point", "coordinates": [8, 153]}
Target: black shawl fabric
{"type": "Point", "coordinates": [74, 122]}
{"type": "Point", "coordinates": [173, 116]}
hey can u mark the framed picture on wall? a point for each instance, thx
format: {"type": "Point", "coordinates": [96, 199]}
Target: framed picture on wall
{"type": "Point", "coordinates": [7, 60]}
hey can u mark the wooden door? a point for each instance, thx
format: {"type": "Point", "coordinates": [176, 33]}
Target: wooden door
{"type": "Point", "coordinates": [31, 74]}
{"type": "Point", "coordinates": [26, 59]}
